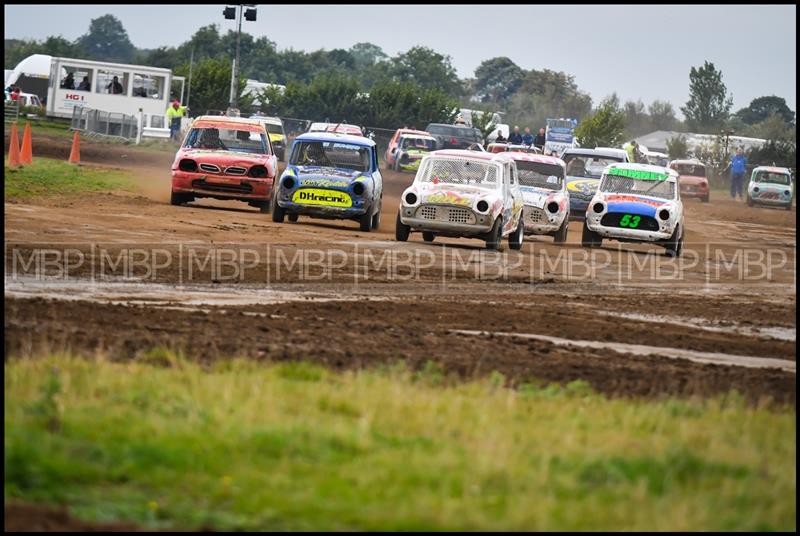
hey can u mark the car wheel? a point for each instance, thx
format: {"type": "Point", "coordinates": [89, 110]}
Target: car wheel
{"type": "Point", "coordinates": [264, 206]}
{"type": "Point", "coordinates": [675, 243]}
{"type": "Point", "coordinates": [428, 236]}
{"type": "Point", "coordinates": [561, 235]}
{"type": "Point", "coordinates": [278, 212]}
{"type": "Point", "coordinates": [749, 201]}
{"type": "Point", "coordinates": [177, 199]}
{"type": "Point", "coordinates": [495, 237]}
{"type": "Point", "coordinates": [376, 219]}
{"type": "Point", "coordinates": [706, 198]}
{"type": "Point", "coordinates": [293, 217]}
{"type": "Point", "coordinates": [788, 206]}
{"type": "Point", "coordinates": [589, 238]}
{"type": "Point", "coordinates": [401, 230]}
{"type": "Point", "coordinates": [515, 239]}
{"type": "Point", "coordinates": [365, 221]}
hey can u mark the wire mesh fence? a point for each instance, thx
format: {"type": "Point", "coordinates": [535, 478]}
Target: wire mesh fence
{"type": "Point", "coordinates": [100, 123]}
{"type": "Point", "coordinates": [11, 112]}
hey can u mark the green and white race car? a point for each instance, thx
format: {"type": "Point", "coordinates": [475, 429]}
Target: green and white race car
{"type": "Point", "coordinates": [410, 150]}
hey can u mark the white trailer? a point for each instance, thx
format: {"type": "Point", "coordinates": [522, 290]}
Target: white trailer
{"type": "Point", "coordinates": [111, 87]}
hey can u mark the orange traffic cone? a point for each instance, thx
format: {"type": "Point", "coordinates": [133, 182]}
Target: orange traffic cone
{"type": "Point", "coordinates": [75, 153]}
{"type": "Point", "coordinates": [26, 153]}
{"type": "Point", "coordinates": [13, 149]}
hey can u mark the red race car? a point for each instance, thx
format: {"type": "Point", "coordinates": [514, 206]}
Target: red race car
{"type": "Point", "coordinates": [389, 155]}
{"type": "Point", "coordinates": [225, 158]}
{"type": "Point", "coordinates": [692, 178]}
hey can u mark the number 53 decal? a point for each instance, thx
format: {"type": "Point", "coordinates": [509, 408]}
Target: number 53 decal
{"type": "Point", "coordinates": [629, 220]}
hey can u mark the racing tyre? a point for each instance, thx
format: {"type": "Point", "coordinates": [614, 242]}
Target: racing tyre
{"type": "Point", "coordinates": [278, 213]}
{"type": "Point", "coordinates": [788, 206]}
{"type": "Point", "coordinates": [675, 244]}
{"type": "Point", "coordinates": [179, 199]}
{"type": "Point", "coordinates": [365, 221]}
{"type": "Point", "coordinates": [515, 239]}
{"type": "Point", "coordinates": [495, 237]}
{"type": "Point", "coordinates": [749, 201]}
{"type": "Point", "coordinates": [293, 217]}
{"type": "Point", "coordinates": [401, 230]}
{"type": "Point", "coordinates": [428, 236]}
{"type": "Point", "coordinates": [589, 238]}
{"type": "Point", "coordinates": [376, 218]}
{"type": "Point", "coordinates": [561, 235]}
{"type": "Point", "coordinates": [705, 198]}
{"type": "Point", "coordinates": [264, 206]}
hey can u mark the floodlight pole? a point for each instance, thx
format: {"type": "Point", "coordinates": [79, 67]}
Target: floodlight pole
{"type": "Point", "coordinates": [235, 92]}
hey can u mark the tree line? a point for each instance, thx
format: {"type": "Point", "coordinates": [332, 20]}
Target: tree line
{"type": "Point", "coordinates": [365, 85]}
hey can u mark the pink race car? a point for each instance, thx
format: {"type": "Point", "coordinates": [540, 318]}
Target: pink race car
{"type": "Point", "coordinates": [225, 158]}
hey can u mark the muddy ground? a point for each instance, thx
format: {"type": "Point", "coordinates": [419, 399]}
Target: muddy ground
{"type": "Point", "coordinates": [322, 290]}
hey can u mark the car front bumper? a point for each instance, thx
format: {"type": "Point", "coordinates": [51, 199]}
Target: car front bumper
{"type": "Point", "coordinates": [222, 187]}
{"type": "Point", "coordinates": [358, 208]}
{"type": "Point", "coordinates": [447, 219]}
{"type": "Point", "coordinates": [540, 221]}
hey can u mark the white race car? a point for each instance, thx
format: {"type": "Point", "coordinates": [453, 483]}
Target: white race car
{"type": "Point", "coordinates": [466, 194]}
{"type": "Point", "coordinates": [770, 186]}
{"type": "Point", "coordinates": [542, 180]}
{"type": "Point", "coordinates": [636, 203]}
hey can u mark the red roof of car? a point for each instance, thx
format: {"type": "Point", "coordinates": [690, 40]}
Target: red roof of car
{"type": "Point", "coordinates": [224, 122]}
{"type": "Point", "coordinates": [532, 157]}
{"type": "Point", "coordinates": [477, 155]}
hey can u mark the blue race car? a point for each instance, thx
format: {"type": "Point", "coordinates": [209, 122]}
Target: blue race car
{"type": "Point", "coordinates": [332, 176]}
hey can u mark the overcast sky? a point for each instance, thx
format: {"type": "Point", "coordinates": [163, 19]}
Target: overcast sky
{"type": "Point", "coordinates": [638, 51]}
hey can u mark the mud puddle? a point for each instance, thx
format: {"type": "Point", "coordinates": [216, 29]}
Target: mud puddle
{"type": "Point", "coordinates": [714, 358]}
{"type": "Point", "coordinates": [186, 297]}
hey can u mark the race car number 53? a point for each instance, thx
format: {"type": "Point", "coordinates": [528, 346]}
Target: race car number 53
{"type": "Point", "coordinates": [629, 220]}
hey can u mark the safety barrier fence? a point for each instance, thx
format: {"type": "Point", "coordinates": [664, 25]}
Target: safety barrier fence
{"type": "Point", "coordinates": [11, 112]}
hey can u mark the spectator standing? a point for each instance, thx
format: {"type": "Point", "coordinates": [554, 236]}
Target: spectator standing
{"type": "Point", "coordinates": [515, 137]}
{"type": "Point", "coordinates": [738, 167]}
{"type": "Point", "coordinates": [15, 93]}
{"type": "Point", "coordinates": [500, 138]}
{"type": "Point", "coordinates": [538, 141]}
{"type": "Point", "coordinates": [527, 139]}
{"type": "Point", "coordinates": [174, 114]}
{"type": "Point", "coordinates": [69, 81]}
{"type": "Point", "coordinates": [114, 87]}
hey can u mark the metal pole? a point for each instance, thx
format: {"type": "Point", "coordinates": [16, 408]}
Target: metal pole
{"type": "Point", "coordinates": [235, 85]}
{"type": "Point", "coordinates": [189, 89]}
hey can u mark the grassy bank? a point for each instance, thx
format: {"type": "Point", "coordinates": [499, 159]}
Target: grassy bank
{"type": "Point", "coordinates": [47, 176]}
{"type": "Point", "coordinates": [292, 446]}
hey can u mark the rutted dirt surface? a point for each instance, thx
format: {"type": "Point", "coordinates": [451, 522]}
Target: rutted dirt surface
{"type": "Point", "coordinates": [401, 300]}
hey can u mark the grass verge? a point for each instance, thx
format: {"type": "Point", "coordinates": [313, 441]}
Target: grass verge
{"type": "Point", "coordinates": [47, 176]}
{"type": "Point", "coordinates": [165, 443]}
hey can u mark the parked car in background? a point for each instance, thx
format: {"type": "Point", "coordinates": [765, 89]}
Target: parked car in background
{"type": "Point", "coordinates": [636, 203]}
{"type": "Point", "coordinates": [332, 176]}
{"type": "Point", "coordinates": [584, 169]}
{"type": "Point", "coordinates": [389, 156]}
{"type": "Point", "coordinates": [463, 194]}
{"type": "Point", "coordinates": [542, 180]}
{"type": "Point", "coordinates": [657, 159]}
{"type": "Point", "coordinates": [692, 179]}
{"type": "Point", "coordinates": [770, 185]}
{"type": "Point", "coordinates": [410, 150]}
{"type": "Point", "coordinates": [225, 158]}
{"type": "Point", "coordinates": [454, 136]}
{"type": "Point", "coordinates": [277, 134]}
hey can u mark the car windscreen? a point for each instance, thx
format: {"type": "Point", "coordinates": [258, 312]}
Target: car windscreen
{"type": "Point", "coordinates": [627, 185]}
{"type": "Point", "coordinates": [274, 129]}
{"type": "Point", "coordinates": [692, 170]}
{"type": "Point", "coordinates": [772, 178]}
{"type": "Point", "coordinates": [331, 154]}
{"type": "Point", "coordinates": [458, 171]}
{"type": "Point", "coordinates": [588, 165]}
{"type": "Point", "coordinates": [418, 144]}
{"type": "Point", "coordinates": [221, 139]}
{"type": "Point", "coordinates": [540, 175]}
{"type": "Point", "coordinates": [454, 132]}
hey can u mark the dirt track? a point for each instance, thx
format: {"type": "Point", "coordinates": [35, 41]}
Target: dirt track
{"type": "Point", "coordinates": [370, 299]}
